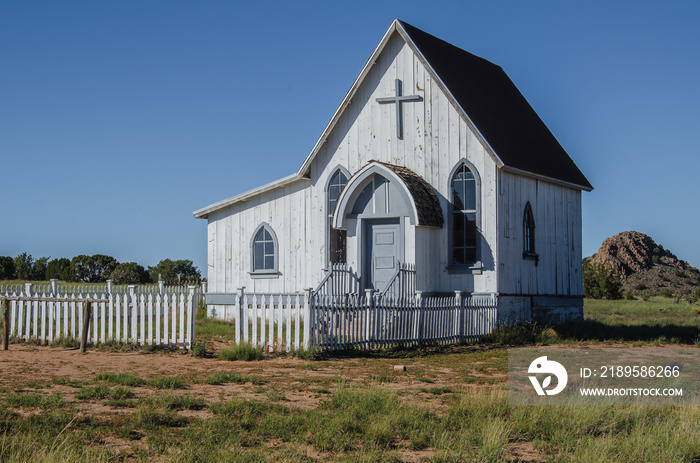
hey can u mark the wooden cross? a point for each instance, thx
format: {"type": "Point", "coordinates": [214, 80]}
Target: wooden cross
{"type": "Point", "coordinates": [398, 99]}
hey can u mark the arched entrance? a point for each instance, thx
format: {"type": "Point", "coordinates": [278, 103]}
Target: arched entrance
{"type": "Point", "coordinates": [378, 207]}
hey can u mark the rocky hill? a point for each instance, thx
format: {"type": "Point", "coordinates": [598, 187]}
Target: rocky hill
{"type": "Point", "coordinates": [645, 265]}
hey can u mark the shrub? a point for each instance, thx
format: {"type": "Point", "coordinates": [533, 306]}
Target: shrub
{"type": "Point", "coordinates": [312, 353]}
{"type": "Point", "coordinates": [165, 382]}
{"type": "Point", "coordinates": [601, 281]}
{"type": "Point", "coordinates": [199, 350]}
{"type": "Point", "coordinates": [7, 268]}
{"type": "Point", "coordinates": [130, 273]}
{"type": "Point", "coordinates": [170, 269]}
{"type": "Point", "coordinates": [24, 264]}
{"type": "Point", "coordinates": [693, 296]}
{"type": "Point", "coordinates": [56, 267]}
{"type": "Point", "coordinates": [668, 292]}
{"type": "Point", "coordinates": [242, 352]}
{"type": "Point", "coordinates": [629, 296]}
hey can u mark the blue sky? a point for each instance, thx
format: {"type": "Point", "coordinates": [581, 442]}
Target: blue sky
{"type": "Point", "coordinates": [119, 119]}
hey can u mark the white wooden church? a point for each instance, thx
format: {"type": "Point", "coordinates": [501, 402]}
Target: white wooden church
{"type": "Point", "coordinates": [433, 160]}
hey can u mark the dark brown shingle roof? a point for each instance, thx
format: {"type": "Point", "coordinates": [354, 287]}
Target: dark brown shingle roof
{"type": "Point", "coordinates": [427, 202]}
{"type": "Point", "coordinates": [498, 110]}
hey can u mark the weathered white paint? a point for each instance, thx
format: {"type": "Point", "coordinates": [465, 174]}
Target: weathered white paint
{"type": "Point", "coordinates": [557, 213]}
{"type": "Point", "coordinates": [437, 135]}
{"type": "Point", "coordinates": [43, 316]}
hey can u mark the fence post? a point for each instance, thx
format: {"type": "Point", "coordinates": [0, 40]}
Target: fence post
{"type": "Point", "coordinates": [460, 313]}
{"type": "Point", "coordinates": [5, 324]}
{"type": "Point", "coordinates": [161, 285]}
{"type": "Point", "coordinates": [191, 311]}
{"type": "Point", "coordinates": [28, 309]}
{"type": "Point", "coordinates": [54, 286]}
{"type": "Point", "coordinates": [86, 325]}
{"type": "Point", "coordinates": [419, 317]}
{"type": "Point", "coordinates": [369, 319]}
{"type": "Point", "coordinates": [132, 308]}
{"type": "Point", "coordinates": [307, 318]}
{"type": "Point", "coordinates": [239, 316]}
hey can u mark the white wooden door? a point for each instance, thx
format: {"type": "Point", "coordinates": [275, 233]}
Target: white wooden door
{"type": "Point", "coordinates": [381, 252]}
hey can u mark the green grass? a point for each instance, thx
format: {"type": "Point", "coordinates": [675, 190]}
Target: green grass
{"type": "Point", "coordinates": [384, 419]}
{"type": "Point", "coordinates": [166, 382]}
{"type": "Point", "coordinates": [365, 423]}
{"type": "Point", "coordinates": [34, 400]}
{"type": "Point", "coordinates": [630, 321]}
{"type": "Point", "coordinates": [122, 379]}
{"type": "Point", "coordinates": [242, 352]}
{"type": "Point", "coordinates": [103, 392]}
{"type": "Point", "coordinates": [174, 402]}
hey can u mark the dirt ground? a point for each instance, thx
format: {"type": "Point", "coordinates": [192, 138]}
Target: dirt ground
{"type": "Point", "coordinates": [23, 365]}
{"type": "Point", "coordinates": [427, 380]}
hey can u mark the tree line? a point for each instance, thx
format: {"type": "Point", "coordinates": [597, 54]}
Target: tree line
{"type": "Point", "coordinates": [94, 269]}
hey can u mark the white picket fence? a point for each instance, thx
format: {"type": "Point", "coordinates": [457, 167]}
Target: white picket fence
{"type": "Point", "coordinates": [373, 321]}
{"type": "Point", "coordinates": [132, 316]}
{"type": "Point", "coordinates": [278, 322]}
{"type": "Point", "coordinates": [272, 321]}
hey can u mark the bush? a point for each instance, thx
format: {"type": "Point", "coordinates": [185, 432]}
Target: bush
{"type": "Point", "coordinates": [693, 296]}
{"type": "Point", "coordinates": [91, 269]}
{"type": "Point", "coordinates": [199, 350]}
{"type": "Point", "coordinates": [601, 281]}
{"type": "Point", "coordinates": [130, 273]}
{"type": "Point", "coordinates": [7, 268]}
{"type": "Point", "coordinates": [520, 335]}
{"type": "Point", "coordinates": [24, 264]}
{"type": "Point", "coordinates": [169, 270]}
{"type": "Point", "coordinates": [242, 352]}
{"type": "Point", "coordinates": [56, 267]}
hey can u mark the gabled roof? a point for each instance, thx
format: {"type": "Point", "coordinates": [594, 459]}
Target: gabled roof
{"type": "Point", "coordinates": [498, 110]}
{"type": "Point", "coordinates": [516, 137]}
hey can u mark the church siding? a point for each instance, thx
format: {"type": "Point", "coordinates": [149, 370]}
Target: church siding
{"type": "Point", "coordinates": [557, 212]}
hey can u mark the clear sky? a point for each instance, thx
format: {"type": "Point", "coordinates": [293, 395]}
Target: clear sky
{"type": "Point", "coordinates": [119, 119]}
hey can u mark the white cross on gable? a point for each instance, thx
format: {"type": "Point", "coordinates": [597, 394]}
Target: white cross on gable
{"type": "Point", "coordinates": [398, 99]}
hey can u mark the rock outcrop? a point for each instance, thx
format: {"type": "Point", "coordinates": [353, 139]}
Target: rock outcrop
{"type": "Point", "coordinates": [645, 265]}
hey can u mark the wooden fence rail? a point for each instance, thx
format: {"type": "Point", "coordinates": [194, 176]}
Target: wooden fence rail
{"type": "Point", "coordinates": [131, 317]}
{"type": "Point", "coordinates": [285, 322]}
{"type": "Point", "coordinates": [372, 321]}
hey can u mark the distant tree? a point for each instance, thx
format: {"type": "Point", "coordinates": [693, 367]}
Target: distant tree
{"type": "Point", "coordinates": [68, 274]}
{"type": "Point", "coordinates": [92, 269]}
{"type": "Point", "coordinates": [130, 273]}
{"type": "Point", "coordinates": [7, 268]}
{"type": "Point", "coordinates": [170, 269]}
{"type": "Point", "coordinates": [601, 281]}
{"type": "Point", "coordinates": [23, 266]}
{"type": "Point", "coordinates": [39, 269]}
{"type": "Point", "coordinates": [56, 267]}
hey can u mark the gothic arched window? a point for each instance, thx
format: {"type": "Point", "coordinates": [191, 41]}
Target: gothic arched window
{"type": "Point", "coordinates": [464, 216]}
{"type": "Point", "coordinates": [336, 238]}
{"type": "Point", "coordinates": [263, 251]}
{"type": "Point", "coordinates": [529, 234]}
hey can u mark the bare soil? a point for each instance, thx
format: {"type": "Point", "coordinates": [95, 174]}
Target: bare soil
{"type": "Point", "coordinates": [428, 380]}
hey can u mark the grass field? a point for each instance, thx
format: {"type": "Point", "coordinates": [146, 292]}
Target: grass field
{"type": "Point", "coordinates": [449, 405]}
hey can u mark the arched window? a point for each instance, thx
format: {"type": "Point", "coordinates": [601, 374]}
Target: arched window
{"type": "Point", "coordinates": [464, 216]}
{"type": "Point", "coordinates": [336, 237]}
{"type": "Point", "coordinates": [264, 251]}
{"type": "Point", "coordinates": [529, 234]}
